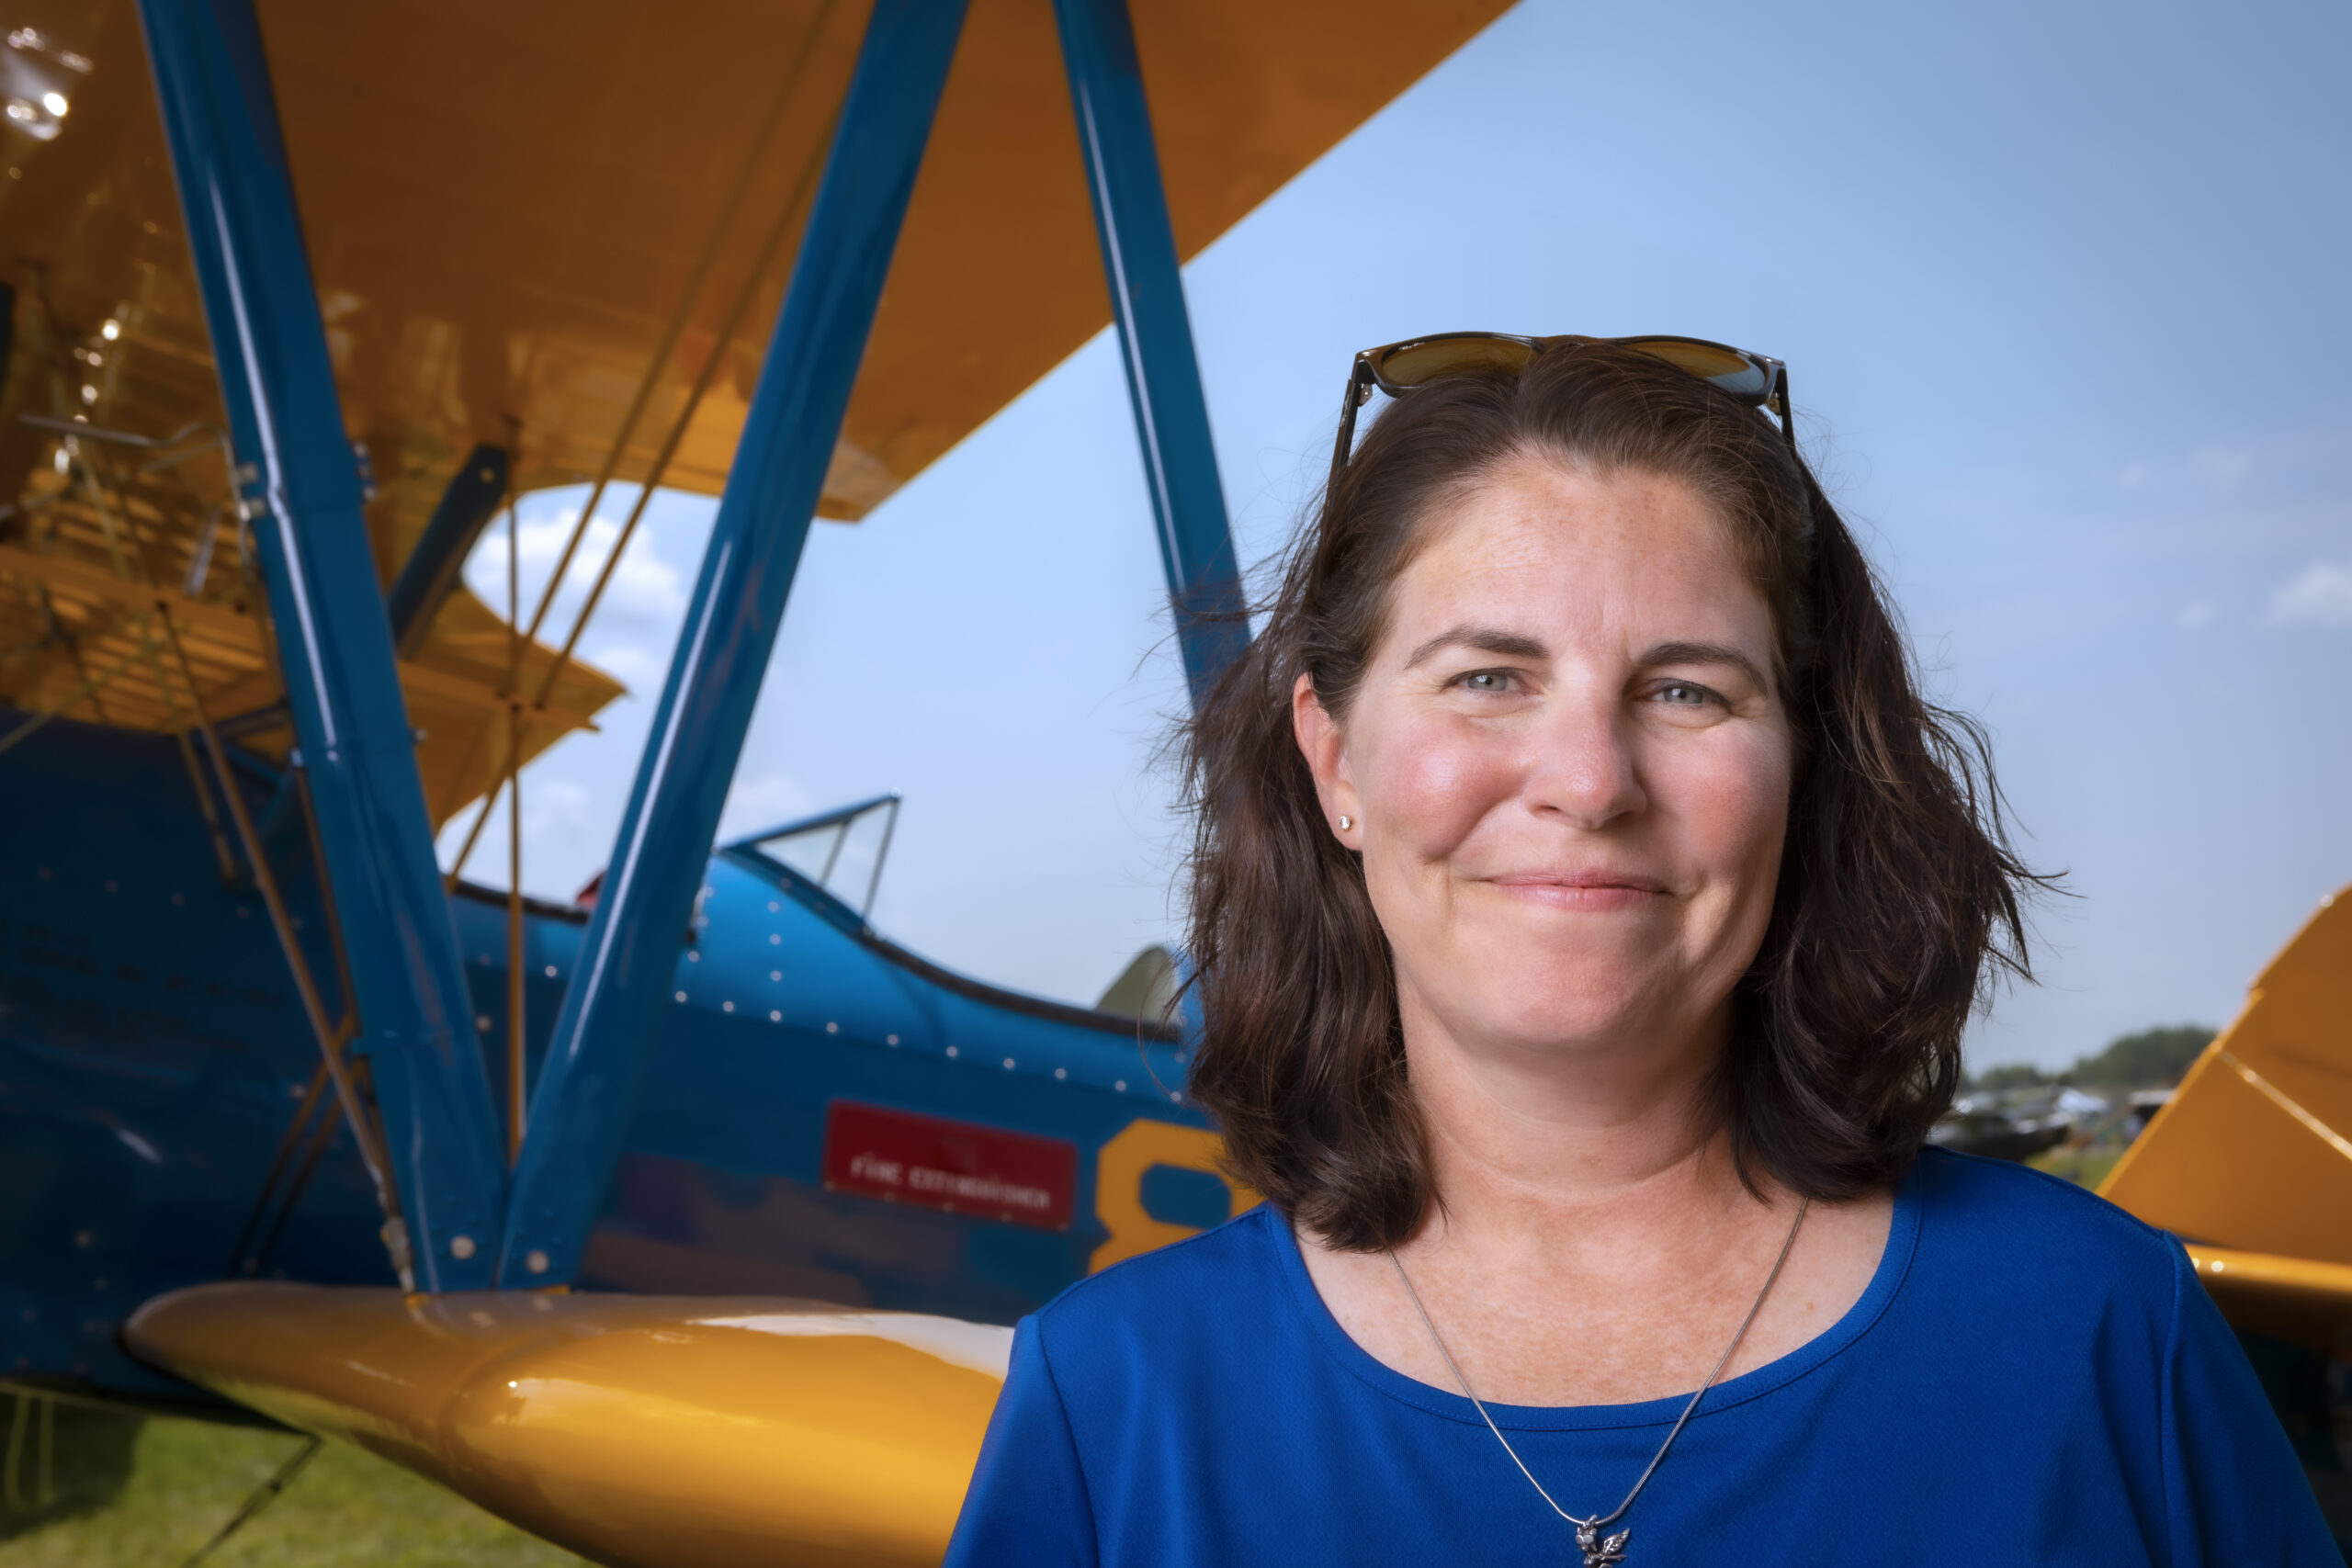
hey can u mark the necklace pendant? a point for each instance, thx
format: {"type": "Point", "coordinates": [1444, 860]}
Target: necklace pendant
{"type": "Point", "coordinates": [1599, 1552]}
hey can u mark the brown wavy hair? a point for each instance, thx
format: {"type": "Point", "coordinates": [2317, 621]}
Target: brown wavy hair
{"type": "Point", "coordinates": [1899, 897]}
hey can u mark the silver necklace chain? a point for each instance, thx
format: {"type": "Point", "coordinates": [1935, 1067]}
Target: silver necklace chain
{"type": "Point", "coordinates": [1599, 1552]}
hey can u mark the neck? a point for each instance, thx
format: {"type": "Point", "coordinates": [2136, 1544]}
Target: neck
{"type": "Point", "coordinates": [1573, 1142]}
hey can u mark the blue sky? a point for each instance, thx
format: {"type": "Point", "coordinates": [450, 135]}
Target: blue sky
{"type": "Point", "coordinates": [2062, 291]}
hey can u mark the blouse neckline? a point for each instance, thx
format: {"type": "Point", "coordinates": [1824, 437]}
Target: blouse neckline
{"type": "Point", "coordinates": [1893, 1264]}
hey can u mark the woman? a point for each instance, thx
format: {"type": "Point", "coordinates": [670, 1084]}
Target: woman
{"type": "Point", "coordinates": [1588, 909]}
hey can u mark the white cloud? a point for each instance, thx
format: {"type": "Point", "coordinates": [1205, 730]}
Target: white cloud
{"type": "Point", "coordinates": [633, 664]}
{"type": "Point", "coordinates": [762, 800]}
{"type": "Point", "coordinates": [645, 588]}
{"type": "Point", "coordinates": [2196, 614]}
{"type": "Point", "coordinates": [2321, 596]}
{"type": "Point", "coordinates": [554, 806]}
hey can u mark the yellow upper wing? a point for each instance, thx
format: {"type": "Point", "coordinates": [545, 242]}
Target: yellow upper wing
{"type": "Point", "coordinates": [505, 202]}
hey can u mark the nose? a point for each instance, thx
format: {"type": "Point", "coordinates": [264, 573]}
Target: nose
{"type": "Point", "coordinates": [1582, 767]}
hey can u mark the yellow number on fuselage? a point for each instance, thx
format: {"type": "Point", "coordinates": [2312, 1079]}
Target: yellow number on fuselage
{"type": "Point", "coordinates": [1119, 1171]}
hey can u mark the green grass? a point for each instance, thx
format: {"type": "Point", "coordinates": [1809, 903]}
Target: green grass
{"type": "Point", "coordinates": [346, 1506]}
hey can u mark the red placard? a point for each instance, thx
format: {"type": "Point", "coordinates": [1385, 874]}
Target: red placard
{"type": "Point", "coordinates": [960, 1168]}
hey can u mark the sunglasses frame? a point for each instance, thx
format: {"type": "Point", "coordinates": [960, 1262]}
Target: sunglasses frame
{"type": "Point", "coordinates": [1365, 374]}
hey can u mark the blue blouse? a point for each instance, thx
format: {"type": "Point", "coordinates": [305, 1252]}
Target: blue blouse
{"type": "Point", "coordinates": [2033, 1376]}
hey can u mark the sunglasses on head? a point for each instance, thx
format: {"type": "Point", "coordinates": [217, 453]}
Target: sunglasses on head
{"type": "Point", "coordinates": [1397, 368]}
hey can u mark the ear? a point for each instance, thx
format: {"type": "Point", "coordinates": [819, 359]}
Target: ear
{"type": "Point", "coordinates": [1324, 745]}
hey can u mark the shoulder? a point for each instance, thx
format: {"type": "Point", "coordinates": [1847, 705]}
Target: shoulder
{"type": "Point", "coordinates": [2023, 1232]}
{"type": "Point", "coordinates": [1169, 1283]}
{"type": "Point", "coordinates": [1182, 1300]}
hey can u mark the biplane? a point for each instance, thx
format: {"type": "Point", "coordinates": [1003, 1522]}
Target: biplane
{"type": "Point", "coordinates": [681, 1224]}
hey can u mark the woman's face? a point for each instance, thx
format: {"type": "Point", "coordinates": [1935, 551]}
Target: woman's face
{"type": "Point", "coordinates": [1567, 768]}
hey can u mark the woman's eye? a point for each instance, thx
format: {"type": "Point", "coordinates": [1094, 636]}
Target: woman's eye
{"type": "Point", "coordinates": [1685, 694]}
{"type": "Point", "coordinates": [1486, 681]}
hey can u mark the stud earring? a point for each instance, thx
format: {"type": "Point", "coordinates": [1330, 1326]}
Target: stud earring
{"type": "Point", "coordinates": [1346, 822]}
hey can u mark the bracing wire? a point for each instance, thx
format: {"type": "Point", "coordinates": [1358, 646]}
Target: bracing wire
{"type": "Point", "coordinates": [677, 323]}
{"type": "Point", "coordinates": [268, 1492]}
{"type": "Point", "coordinates": [784, 95]}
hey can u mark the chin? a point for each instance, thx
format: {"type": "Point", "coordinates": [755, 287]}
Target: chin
{"type": "Point", "coordinates": [1568, 1006]}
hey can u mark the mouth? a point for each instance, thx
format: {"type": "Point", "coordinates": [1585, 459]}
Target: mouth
{"type": "Point", "coordinates": [1589, 889]}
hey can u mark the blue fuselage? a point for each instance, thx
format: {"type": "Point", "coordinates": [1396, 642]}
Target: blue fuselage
{"type": "Point", "coordinates": [154, 1052]}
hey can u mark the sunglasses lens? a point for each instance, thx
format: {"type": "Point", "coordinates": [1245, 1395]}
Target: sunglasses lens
{"type": "Point", "coordinates": [1734, 372]}
{"type": "Point", "coordinates": [1416, 364]}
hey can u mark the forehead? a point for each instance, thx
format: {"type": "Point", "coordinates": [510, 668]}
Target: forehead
{"type": "Point", "coordinates": [1558, 550]}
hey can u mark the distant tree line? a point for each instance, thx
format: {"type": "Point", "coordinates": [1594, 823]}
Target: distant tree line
{"type": "Point", "coordinates": [2153, 1059]}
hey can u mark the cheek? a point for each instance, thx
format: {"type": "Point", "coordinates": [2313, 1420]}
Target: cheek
{"type": "Point", "coordinates": [1731, 800]}
{"type": "Point", "coordinates": [1428, 781]}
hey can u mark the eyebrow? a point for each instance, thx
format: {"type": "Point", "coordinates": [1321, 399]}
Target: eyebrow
{"type": "Point", "coordinates": [1705, 654]}
{"type": "Point", "coordinates": [1484, 639]}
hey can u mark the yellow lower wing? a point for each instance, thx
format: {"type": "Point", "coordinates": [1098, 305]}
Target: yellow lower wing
{"type": "Point", "coordinates": [687, 1432]}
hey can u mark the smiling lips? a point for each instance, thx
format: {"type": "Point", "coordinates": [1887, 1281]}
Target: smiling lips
{"type": "Point", "coordinates": [1590, 890]}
